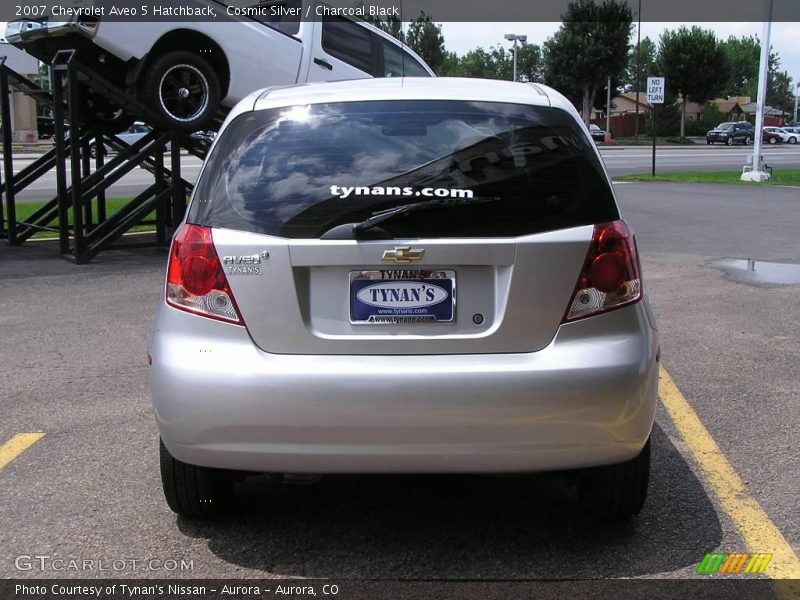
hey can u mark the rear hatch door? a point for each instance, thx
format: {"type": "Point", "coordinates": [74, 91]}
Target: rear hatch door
{"type": "Point", "coordinates": [490, 268]}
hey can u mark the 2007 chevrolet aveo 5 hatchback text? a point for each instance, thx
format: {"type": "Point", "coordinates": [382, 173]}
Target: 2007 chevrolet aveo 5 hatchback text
{"type": "Point", "coordinates": [404, 276]}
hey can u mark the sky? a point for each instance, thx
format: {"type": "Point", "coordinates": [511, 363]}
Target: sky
{"type": "Point", "coordinates": [462, 37]}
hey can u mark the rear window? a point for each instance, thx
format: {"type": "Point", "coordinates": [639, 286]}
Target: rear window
{"type": "Point", "coordinates": [504, 169]}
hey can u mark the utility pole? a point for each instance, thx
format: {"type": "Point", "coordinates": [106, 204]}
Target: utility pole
{"type": "Point", "coordinates": [608, 107]}
{"type": "Point", "coordinates": [796, 91]}
{"type": "Point", "coordinates": [513, 37]}
{"type": "Point", "coordinates": [638, 69]}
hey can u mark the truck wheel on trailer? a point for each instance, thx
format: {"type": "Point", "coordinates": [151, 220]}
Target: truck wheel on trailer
{"type": "Point", "coordinates": [184, 88]}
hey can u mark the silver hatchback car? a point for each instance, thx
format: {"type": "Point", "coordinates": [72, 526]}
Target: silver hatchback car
{"type": "Point", "coordinates": [404, 276]}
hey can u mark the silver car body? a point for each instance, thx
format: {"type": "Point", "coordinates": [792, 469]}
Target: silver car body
{"type": "Point", "coordinates": [788, 135]}
{"type": "Point", "coordinates": [301, 389]}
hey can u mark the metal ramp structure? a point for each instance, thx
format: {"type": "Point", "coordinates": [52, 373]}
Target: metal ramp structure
{"type": "Point", "coordinates": [78, 213]}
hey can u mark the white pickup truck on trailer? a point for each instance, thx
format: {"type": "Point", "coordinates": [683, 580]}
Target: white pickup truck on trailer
{"type": "Point", "coordinates": [187, 70]}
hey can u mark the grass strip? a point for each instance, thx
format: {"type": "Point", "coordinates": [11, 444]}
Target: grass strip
{"type": "Point", "coordinates": [779, 177]}
{"type": "Point", "coordinates": [26, 209]}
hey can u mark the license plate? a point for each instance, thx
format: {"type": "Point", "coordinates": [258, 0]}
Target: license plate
{"type": "Point", "coordinates": [402, 296]}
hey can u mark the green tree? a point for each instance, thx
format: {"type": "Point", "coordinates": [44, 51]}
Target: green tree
{"type": "Point", "coordinates": [530, 62]}
{"type": "Point", "coordinates": [590, 46]}
{"type": "Point", "coordinates": [648, 66]}
{"type": "Point", "coordinates": [449, 66]}
{"type": "Point", "coordinates": [425, 38]}
{"type": "Point", "coordinates": [496, 62]}
{"type": "Point", "coordinates": [744, 54]}
{"type": "Point", "coordinates": [694, 64]}
{"type": "Point", "coordinates": [780, 92]}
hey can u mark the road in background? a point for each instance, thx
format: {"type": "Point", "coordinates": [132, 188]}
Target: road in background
{"type": "Point", "coordinates": [618, 160]}
{"type": "Point", "coordinates": [626, 161]}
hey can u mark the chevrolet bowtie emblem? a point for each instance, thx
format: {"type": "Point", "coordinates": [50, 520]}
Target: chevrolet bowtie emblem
{"type": "Point", "coordinates": [403, 254]}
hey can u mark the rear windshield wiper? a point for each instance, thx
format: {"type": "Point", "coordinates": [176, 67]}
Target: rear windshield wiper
{"type": "Point", "coordinates": [354, 230]}
{"type": "Point", "coordinates": [405, 209]}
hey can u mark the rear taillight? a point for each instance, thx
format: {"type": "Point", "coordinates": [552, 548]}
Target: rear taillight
{"type": "Point", "coordinates": [196, 281]}
{"type": "Point", "coordinates": [610, 275]}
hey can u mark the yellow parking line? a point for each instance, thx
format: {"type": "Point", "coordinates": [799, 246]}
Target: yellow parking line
{"type": "Point", "coordinates": [17, 445]}
{"type": "Point", "coordinates": [758, 531]}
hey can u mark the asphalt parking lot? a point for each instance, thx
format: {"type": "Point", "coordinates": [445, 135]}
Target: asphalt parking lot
{"type": "Point", "coordinates": [74, 367]}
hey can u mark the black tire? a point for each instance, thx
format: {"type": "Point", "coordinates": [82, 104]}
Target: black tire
{"type": "Point", "coordinates": [103, 117]}
{"type": "Point", "coordinates": [617, 492]}
{"type": "Point", "coordinates": [772, 140]}
{"type": "Point", "coordinates": [99, 115]}
{"type": "Point", "coordinates": [192, 491]}
{"type": "Point", "coordinates": [748, 140]}
{"type": "Point", "coordinates": [792, 140]}
{"type": "Point", "coordinates": [709, 143]}
{"type": "Point", "coordinates": [183, 88]}
{"type": "Point", "coordinates": [729, 141]}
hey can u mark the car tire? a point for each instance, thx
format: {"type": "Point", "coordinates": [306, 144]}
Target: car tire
{"type": "Point", "coordinates": [709, 143]}
{"type": "Point", "coordinates": [183, 88]}
{"type": "Point", "coordinates": [103, 117]}
{"type": "Point", "coordinates": [192, 491]}
{"type": "Point", "coordinates": [793, 140]}
{"type": "Point", "coordinates": [748, 140]}
{"type": "Point", "coordinates": [616, 492]}
{"type": "Point", "coordinates": [729, 141]}
{"type": "Point", "coordinates": [773, 141]}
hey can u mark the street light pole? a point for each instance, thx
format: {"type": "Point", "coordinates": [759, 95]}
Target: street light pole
{"type": "Point", "coordinates": [513, 37]}
{"type": "Point", "coordinates": [514, 76]}
{"type": "Point", "coordinates": [638, 69]}
{"type": "Point", "coordinates": [796, 92]}
{"type": "Point", "coordinates": [755, 173]}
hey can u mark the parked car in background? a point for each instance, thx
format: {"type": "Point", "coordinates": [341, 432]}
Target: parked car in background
{"type": "Point", "coordinates": [134, 133]}
{"type": "Point", "coordinates": [186, 70]}
{"type": "Point", "coordinates": [319, 259]}
{"type": "Point", "coordinates": [598, 135]}
{"type": "Point", "coordinates": [786, 136]}
{"type": "Point", "coordinates": [771, 137]}
{"type": "Point", "coordinates": [739, 132]}
{"type": "Point", "coordinates": [793, 129]}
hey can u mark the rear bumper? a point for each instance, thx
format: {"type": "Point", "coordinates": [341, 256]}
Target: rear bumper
{"type": "Point", "coordinates": [587, 399]}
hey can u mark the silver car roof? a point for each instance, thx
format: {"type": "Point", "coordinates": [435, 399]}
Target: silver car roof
{"type": "Point", "coordinates": [404, 88]}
